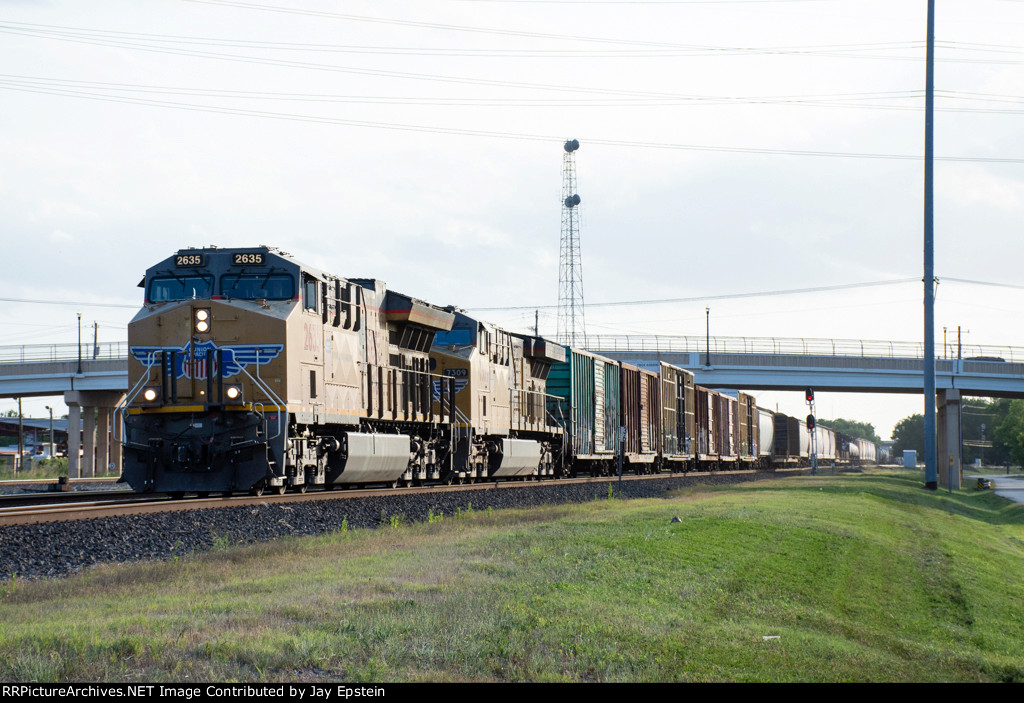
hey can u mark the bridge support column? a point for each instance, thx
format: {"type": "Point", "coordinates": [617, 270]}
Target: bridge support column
{"type": "Point", "coordinates": [103, 414]}
{"type": "Point", "coordinates": [88, 441]}
{"type": "Point", "coordinates": [949, 438]}
{"type": "Point", "coordinates": [74, 437]}
{"type": "Point", "coordinates": [99, 449]}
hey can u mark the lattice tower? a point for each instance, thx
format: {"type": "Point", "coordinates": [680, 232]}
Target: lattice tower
{"type": "Point", "coordinates": [571, 324]}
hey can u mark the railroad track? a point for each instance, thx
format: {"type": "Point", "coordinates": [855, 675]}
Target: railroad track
{"type": "Point", "coordinates": [23, 509]}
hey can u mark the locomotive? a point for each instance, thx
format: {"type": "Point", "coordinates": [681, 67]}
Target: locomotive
{"type": "Point", "coordinates": [250, 371]}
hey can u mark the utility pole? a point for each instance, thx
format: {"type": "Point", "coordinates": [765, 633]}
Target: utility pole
{"type": "Point", "coordinates": [931, 474]}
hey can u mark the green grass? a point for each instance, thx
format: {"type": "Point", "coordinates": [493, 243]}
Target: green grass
{"type": "Point", "coordinates": [862, 577]}
{"type": "Point", "coordinates": [42, 469]}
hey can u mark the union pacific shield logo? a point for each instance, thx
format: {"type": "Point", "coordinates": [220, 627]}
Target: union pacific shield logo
{"type": "Point", "coordinates": [190, 360]}
{"type": "Point", "coordinates": [459, 385]}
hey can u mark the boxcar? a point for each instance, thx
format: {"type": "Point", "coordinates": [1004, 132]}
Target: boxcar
{"type": "Point", "coordinates": [640, 410]}
{"type": "Point", "coordinates": [589, 386]}
{"type": "Point", "coordinates": [748, 433]}
{"type": "Point", "coordinates": [677, 417]}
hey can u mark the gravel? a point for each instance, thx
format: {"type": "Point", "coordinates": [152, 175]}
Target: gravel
{"type": "Point", "coordinates": [54, 550]}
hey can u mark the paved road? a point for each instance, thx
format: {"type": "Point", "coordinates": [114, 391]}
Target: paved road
{"type": "Point", "coordinates": [1011, 487]}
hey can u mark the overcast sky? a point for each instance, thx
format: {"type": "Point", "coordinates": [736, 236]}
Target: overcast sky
{"type": "Point", "coordinates": [726, 147]}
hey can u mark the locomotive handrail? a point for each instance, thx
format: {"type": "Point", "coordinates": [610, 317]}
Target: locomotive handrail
{"type": "Point", "coordinates": [120, 410]}
{"type": "Point", "coordinates": [262, 385]}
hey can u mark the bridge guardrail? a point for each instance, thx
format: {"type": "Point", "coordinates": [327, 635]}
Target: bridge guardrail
{"type": "Point", "coordinates": [797, 345]}
{"type": "Point", "coordinates": [62, 352]}
{"type": "Point", "coordinates": [623, 343]}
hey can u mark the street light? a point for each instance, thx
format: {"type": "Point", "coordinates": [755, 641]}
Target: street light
{"type": "Point", "coordinates": [51, 431]}
{"type": "Point", "coordinates": [707, 336]}
{"type": "Point", "coordinates": [79, 344]}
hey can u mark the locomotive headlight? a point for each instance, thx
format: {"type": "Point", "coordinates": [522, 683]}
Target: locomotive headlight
{"type": "Point", "coordinates": [151, 395]}
{"type": "Point", "coordinates": [233, 393]}
{"type": "Point", "coordinates": [202, 320]}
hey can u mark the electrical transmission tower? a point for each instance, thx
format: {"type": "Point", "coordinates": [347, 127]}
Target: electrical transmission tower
{"type": "Point", "coordinates": [571, 326]}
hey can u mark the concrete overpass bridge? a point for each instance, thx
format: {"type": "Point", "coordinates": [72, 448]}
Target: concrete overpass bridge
{"type": "Point", "coordinates": [865, 366]}
{"type": "Point", "coordinates": [93, 379]}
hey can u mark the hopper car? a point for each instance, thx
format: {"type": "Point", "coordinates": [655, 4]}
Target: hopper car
{"type": "Point", "coordinates": [251, 371]}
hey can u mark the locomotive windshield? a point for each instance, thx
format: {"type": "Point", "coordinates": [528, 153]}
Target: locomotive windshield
{"type": "Point", "coordinates": [180, 288]}
{"type": "Point", "coordinates": [256, 286]}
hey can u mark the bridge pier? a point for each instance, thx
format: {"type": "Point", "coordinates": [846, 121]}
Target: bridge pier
{"type": "Point", "coordinates": [93, 412]}
{"type": "Point", "coordinates": [949, 437]}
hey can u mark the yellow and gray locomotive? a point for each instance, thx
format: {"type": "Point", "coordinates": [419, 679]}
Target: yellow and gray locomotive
{"type": "Point", "coordinates": [251, 371]}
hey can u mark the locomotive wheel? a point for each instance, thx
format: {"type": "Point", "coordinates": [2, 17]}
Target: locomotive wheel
{"type": "Point", "coordinates": [303, 488]}
{"type": "Point", "coordinates": [280, 490]}
{"type": "Point", "coordinates": [256, 491]}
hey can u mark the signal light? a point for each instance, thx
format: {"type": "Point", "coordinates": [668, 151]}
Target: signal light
{"type": "Point", "coordinates": [233, 393]}
{"type": "Point", "coordinates": [809, 395]}
{"type": "Point", "coordinates": [810, 422]}
{"type": "Point", "coordinates": [201, 321]}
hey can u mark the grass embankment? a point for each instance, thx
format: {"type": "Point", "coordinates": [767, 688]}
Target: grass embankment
{"type": "Point", "coordinates": [854, 577]}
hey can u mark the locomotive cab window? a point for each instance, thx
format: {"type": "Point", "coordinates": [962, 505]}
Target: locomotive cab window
{"type": "Point", "coordinates": [309, 293]}
{"type": "Point", "coordinates": [180, 288]}
{"type": "Point", "coordinates": [256, 286]}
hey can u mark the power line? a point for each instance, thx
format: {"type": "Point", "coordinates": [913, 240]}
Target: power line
{"type": "Point", "coordinates": [69, 303]}
{"type": "Point", "coordinates": [501, 135]}
{"type": "Point", "coordinates": [702, 298]}
{"type": "Point", "coordinates": [994, 284]}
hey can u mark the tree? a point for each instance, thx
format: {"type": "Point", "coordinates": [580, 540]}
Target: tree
{"type": "Point", "coordinates": [908, 434]}
{"type": "Point", "coordinates": [860, 430]}
{"type": "Point", "coordinates": [1010, 432]}
{"type": "Point", "coordinates": [976, 412]}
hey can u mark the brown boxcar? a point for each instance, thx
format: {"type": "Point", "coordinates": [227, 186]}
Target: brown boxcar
{"type": "Point", "coordinates": [640, 409]}
{"type": "Point", "coordinates": [748, 431]}
{"type": "Point", "coordinates": [677, 417]}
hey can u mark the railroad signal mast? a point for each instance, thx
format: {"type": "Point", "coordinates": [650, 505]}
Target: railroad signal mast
{"type": "Point", "coordinates": [811, 424]}
{"type": "Point", "coordinates": [571, 323]}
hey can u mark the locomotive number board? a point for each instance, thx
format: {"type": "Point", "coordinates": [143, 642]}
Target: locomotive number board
{"type": "Point", "coordinates": [189, 260]}
{"type": "Point", "coordinates": [246, 259]}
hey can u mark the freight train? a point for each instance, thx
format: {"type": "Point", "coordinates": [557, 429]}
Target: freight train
{"type": "Point", "coordinates": [251, 371]}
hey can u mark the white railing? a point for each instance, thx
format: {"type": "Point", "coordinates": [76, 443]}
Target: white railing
{"type": "Point", "coordinates": [63, 352]}
{"type": "Point", "coordinates": [796, 345]}
{"type": "Point", "coordinates": [623, 343]}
